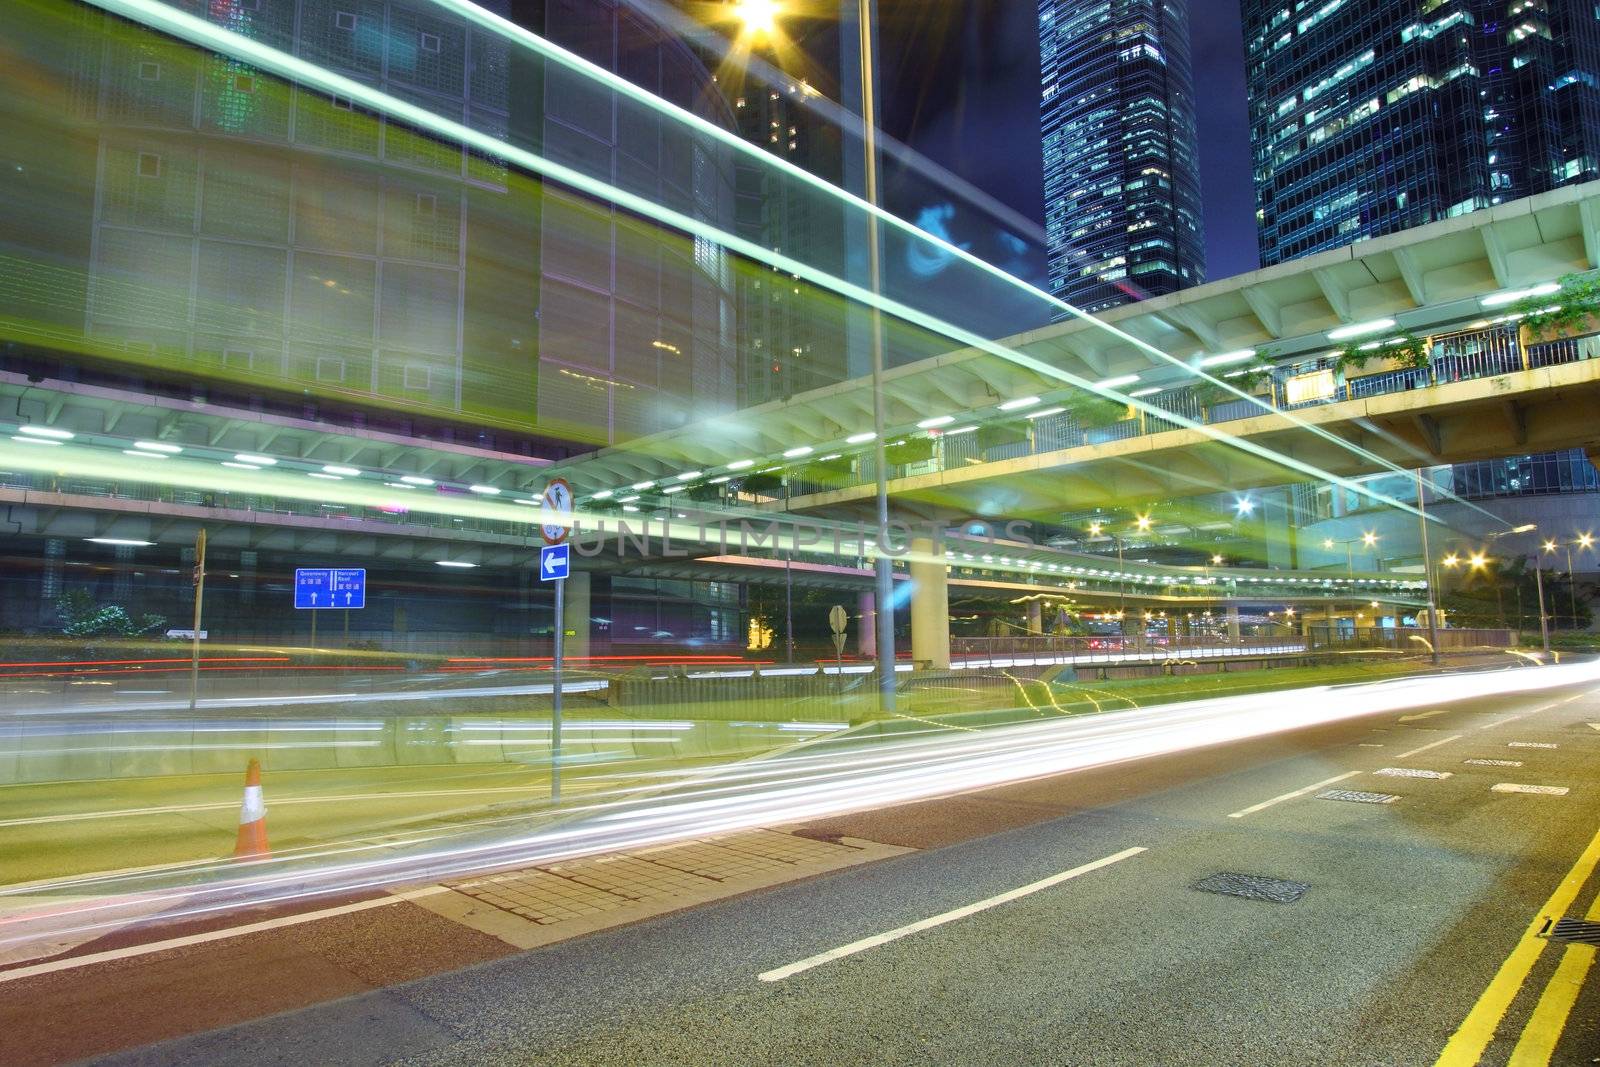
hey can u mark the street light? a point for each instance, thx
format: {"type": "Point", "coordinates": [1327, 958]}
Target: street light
{"type": "Point", "coordinates": [1538, 579]}
{"type": "Point", "coordinates": [1583, 541]}
{"type": "Point", "coordinates": [759, 17]}
{"type": "Point", "coordinates": [1369, 539]}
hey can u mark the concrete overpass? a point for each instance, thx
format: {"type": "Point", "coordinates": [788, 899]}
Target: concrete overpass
{"type": "Point", "coordinates": [1440, 281]}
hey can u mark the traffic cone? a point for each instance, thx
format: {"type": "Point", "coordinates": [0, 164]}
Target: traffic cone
{"type": "Point", "coordinates": [252, 842]}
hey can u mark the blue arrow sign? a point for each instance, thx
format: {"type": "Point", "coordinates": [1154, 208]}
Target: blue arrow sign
{"type": "Point", "coordinates": [554, 562]}
{"type": "Point", "coordinates": [317, 588]}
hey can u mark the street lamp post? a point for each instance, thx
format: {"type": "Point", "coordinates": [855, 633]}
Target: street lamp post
{"type": "Point", "coordinates": [1584, 541]}
{"type": "Point", "coordinates": [1369, 539]}
{"type": "Point", "coordinates": [883, 565]}
{"type": "Point", "coordinates": [760, 16]}
{"type": "Point", "coordinates": [1427, 574]}
{"type": "Point", "coordinates": [1538, 578]}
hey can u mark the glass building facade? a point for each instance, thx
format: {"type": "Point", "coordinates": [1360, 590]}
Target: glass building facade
{"type": "Point", "coordinates": [1370, 116]}
{"type": "Point", "coordinates": [1121, 178]}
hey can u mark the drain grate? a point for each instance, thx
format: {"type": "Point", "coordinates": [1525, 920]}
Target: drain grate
{"type": "Point", "coordinates": [1574, 931]}
{"type": "Point", "coordinates": [1411, 772]}
{"type": "Point", "coordinates": [1494, 762]}
{"type": "Point", "coordinates": [1253, 887]}
{"type": "Point", "coordinates": [1357, 796]}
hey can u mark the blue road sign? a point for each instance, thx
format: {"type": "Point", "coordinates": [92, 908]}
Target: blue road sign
{"type": "Point", "coordinates": [330, 587]}
{"type": "Point", "coordinates": [554, 562]}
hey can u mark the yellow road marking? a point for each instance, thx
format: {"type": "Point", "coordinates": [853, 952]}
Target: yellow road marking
{"type": "Point", "coordinates": [1467, 1044]}
{"type": "Point", "coordinates": [1539, 1037]}
{"type": "Point", "coordinates": [1549, 1019]}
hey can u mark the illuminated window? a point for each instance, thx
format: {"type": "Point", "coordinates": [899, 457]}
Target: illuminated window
{"type": "Point", "coordinates": [427, 205]}
{"type": "Point", "coordinates": [430, 42]}
{"type": "Point", "coordinates": [344, 20]}
{"type": "Point", "coordinates": [149, 165]}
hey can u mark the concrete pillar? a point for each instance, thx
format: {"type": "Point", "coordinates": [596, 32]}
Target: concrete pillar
{"type": "Point", "coordinates": [122, 579]}
{"type": "Point", "coordinates": [1035, 617]}
{"type": "Point", "coordinates": [1233, 622]}
{"type": "Point", "coordinates": [930, 605]}
{"type": "Point", "coordinates": [575, 618]}
{"type": "Point", "coordinates": [867, 626]}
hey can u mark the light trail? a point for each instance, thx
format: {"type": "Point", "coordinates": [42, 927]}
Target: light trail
{"type": "Point", "coordinates": [512, 32]}
{"type": "Point", "coordinates": [206, 35]}
{"type": "Point", "coordinates": [823, 778]}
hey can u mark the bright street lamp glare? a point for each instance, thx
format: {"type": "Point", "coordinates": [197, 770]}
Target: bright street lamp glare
{"type": "Point", "coordinates": [758, 16]}
{"type": "Point", "coordinates": [1369, 538]}
{"type": "Point", "coordinates": [1585, 540]}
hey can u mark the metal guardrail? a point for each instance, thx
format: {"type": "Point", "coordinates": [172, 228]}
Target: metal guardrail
{"type": "Point", "coordinates": [1114, 648]}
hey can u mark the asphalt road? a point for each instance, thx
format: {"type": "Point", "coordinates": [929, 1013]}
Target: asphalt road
{"type": "Point", "coordinates": [1412, 910]}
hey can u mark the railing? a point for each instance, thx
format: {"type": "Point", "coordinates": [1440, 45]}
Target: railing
{"type": "Point", "coordinates": [1120, 648]}
{"type": "Point", "coordinates": [1405, 638]}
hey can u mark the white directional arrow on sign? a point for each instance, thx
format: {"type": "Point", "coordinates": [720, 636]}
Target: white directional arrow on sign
{"type": "Point", "coordinates": [550, 563]}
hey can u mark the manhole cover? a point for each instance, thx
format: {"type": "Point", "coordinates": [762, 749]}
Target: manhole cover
{"type": "Point", "coordinates": [1577, 931]}
{"type": "Point", "coordinates": [1494, 762]}
{"type": "Point", "coordinates": [1253, 887]}
{"type": "Point", "coordinates": [1411, 772]}
{"type": "Point", "coordinates": [1357, 796]}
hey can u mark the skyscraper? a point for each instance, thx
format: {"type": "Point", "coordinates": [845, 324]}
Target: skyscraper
{"type": "Point", "coordinates": [1121, 179]}
{"type": "Point", "coordinates": [1369, 116]}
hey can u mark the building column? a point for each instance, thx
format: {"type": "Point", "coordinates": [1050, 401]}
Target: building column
{"type": "Point", "coordinates": [1035, 617]}
{"type": "Point", "coordinates": [930, 605]}
{"type": "Point", "coordinates": [575, 617]}
{"type": "Point", "coordinates": [1233, 622]}
{"type": "Point", "coordinates": [867, 628]}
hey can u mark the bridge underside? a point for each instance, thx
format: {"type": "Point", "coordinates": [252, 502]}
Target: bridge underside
{"type": "Point", "coordinates": [1529, 411]}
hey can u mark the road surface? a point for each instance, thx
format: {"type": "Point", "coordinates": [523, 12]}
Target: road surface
{"type": "Point", "coordinates": [1051, 921]}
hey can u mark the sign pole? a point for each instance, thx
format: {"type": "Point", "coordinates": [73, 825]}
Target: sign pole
{"type": "Point", "coordinates": [199, 594]}
{"type": "Point", "coordinates": [555, 693]}
{"type": "Point", "coordinates": [313, 629]}
{"type": "Point", "coordinates": [555, 561]}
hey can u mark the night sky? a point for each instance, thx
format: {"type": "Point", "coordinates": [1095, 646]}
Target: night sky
{"type": "Point", "coordinates": [961, 85]}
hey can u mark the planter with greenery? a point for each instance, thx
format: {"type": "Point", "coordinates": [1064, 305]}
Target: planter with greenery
{"type": "Point", "coordinates": [82, 617]}
{"type": "Point", "coordinates": [767, 483]}
{"type": "Point", "coordinates": [1402, 353]}
{"type": "Point", "coordinates": [1572, 312]}
{"type": "Point", "coordinates": [911, 450]}
{"type": "Point", "coordinates": [1251, 382]}
{"type": "Point", "coordinates": [833, 473]}
{"type": "Point", "coordinates": [1092, 411]}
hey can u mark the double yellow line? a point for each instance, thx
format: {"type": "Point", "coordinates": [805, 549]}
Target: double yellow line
{"type": "Point", "coordinates": [1549, 1018]}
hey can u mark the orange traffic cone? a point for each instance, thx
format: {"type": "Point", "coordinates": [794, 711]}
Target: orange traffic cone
{"type": "Point", "coordinates": [252, 817]}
